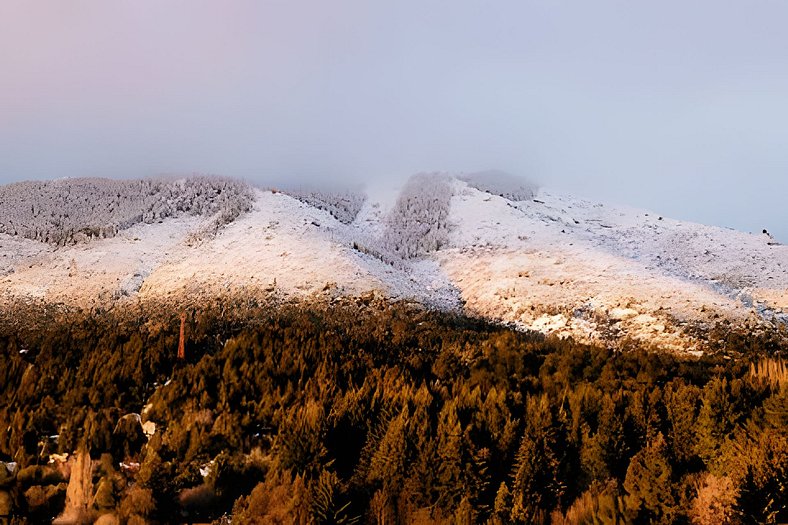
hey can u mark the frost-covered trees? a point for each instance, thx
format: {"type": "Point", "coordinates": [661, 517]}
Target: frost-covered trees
{"type": "Point", "coordinates": [502, 184]}
{"type": "Point", "coordinates": [417, 224]}
{"type": "Point", "coordinates": [419, 221]}
{"type": "Point", "coordinates": [343, 204]}
{"type": "Point", "coordinates": [72, 210]}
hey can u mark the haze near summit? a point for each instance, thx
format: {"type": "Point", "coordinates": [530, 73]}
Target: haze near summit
{"type": "Point", "coordinates": [674, 106]}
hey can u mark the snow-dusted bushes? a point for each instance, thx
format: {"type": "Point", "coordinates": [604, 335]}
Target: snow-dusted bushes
{"type": "Point", "coordinates": [343, 204]}
{"type": "Point", "coordinates": [502, 184]}
{"type": "Point", "coordinates": [72, 210]}
{"type": "Point", "coordinates": [418, 223]}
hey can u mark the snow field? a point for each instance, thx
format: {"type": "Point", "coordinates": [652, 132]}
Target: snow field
{"type": "Point", "coordinates": [556, 263]}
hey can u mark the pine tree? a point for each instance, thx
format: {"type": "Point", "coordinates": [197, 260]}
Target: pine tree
{"type": "Point", "coordinates": [604, 454]}
{"type": "Point", "coordinates": [387, 465]}
{"type": "Point", "coordinates": [300, 439]}
{"type": "Point", "coordinates": [648, 412]}
{"type": "Point", "coordinates": [502, 509]}
{"type": "Point", "coordinates": [716, 419]}
{"type": "Point", "coordinates": [421, 485]}
{"type": "Point", "coordinates": [535, 485]}
{"type": "Point", "coordinates": [325, 505]}
{"type": "Point", "coordinates": [681, 403]}
{"type": "Point", "coordinates": [650, 495]}
{"type": "Point", "coordinates": [450, 456]}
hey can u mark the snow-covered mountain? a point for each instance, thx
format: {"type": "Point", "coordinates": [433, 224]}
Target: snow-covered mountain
{"type": "Point", "coordinates": [552, 262]}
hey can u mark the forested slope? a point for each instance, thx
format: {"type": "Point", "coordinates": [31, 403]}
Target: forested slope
{"type": "Point", "coordinates": [373, 413]}
{"type": "Point", "coordinates": [68, 211]}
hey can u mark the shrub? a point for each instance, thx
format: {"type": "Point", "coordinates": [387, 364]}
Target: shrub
{"type": "Point", "coordinates": [280, 499]}
{"type": "Point", "coordinates": [716, 501]}
{"type": "Point", "coordinates": [137, 504]}
{"type": "Point", "coordinates": [44, 501]}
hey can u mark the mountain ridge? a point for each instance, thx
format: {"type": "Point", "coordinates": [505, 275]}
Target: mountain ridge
{"type": "Point", "coordinates": [553, 263]}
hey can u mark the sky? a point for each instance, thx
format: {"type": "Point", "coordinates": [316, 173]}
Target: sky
{"type": "Point", "coordinates": [679, 107]}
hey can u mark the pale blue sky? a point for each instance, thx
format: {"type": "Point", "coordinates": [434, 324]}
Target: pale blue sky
{"type": "Point", "coordinates": [681, 107]}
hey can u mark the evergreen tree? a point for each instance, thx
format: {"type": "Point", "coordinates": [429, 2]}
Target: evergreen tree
{"type": "Point", "coordinates": [535, 485]}
{"type": "Point", "coordinates": [450, 482]}
{"type": "Point", "coordinates": [681, 402]}
{"type": "Point", "coordinates": [387, 465]}
{"type": "Point", "coordinates": [605, 453]}
{"type": "Point", "coordinates": [716, 419]}
{"type": "Point", "coordinates": [648, 484]}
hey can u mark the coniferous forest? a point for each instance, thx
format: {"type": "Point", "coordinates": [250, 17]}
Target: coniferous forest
{"type": "Point", "coordinates": [368, 412]}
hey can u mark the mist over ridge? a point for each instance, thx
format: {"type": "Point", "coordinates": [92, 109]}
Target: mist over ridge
{"type": "Point", "coordinates": [674, 108]}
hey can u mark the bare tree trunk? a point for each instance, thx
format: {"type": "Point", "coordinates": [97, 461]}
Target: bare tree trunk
{"type": "Point", "coordinates": [182, 340]}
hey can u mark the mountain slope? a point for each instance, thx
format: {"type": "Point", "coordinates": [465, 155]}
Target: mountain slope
{"type": "Point", "coordinates": [570, 266]}
{"type": "Point", "coordinates": [554, 264]}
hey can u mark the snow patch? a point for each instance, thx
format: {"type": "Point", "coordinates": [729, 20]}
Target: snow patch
{"type": "Point", "coordinates": [548, 323]}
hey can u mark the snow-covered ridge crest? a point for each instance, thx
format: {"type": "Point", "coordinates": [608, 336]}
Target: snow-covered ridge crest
{"type": "Point", "coordinates": [343, 203]}
{"type": "Point", "coordinates": [497, 182]}
{"type": "Point", "coordinates": [554, 263]}
{"type": "Point", "coordinates": [67, 211]}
